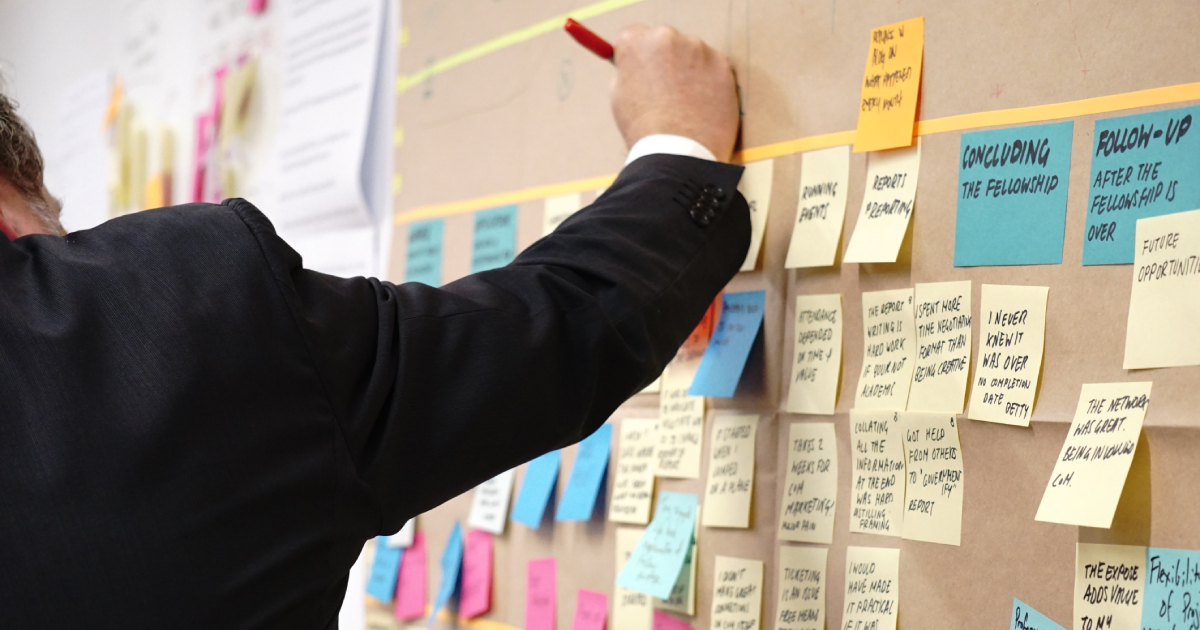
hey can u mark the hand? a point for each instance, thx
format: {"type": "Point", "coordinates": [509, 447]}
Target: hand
{"type": "Point", "coordinates": [668, 82]}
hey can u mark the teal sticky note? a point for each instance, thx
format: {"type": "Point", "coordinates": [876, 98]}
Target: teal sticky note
{"type": "Point", "coordinates": [1171, 599]}
{"type": "Point", "coordinates": [384, 570]}
{"type": "Point", "coordinates": [424, 258]}
{"type": "Point", "coordinates": [1012, 196]}
{"type": "Point", "coordinates": [451, 567]}
{"type": "Point", "coordinates": [591, 462]}
{"type": "Point", "coordinates": [540, 477]}
{"type": "Point", "coordinates": [1025, 617]}
{"type": "Point", "coordinates": [495, 241]}
{"type": "Point", "coordinates": [1143, 165]}
{"type": "Point", "coordinates": [725, 357]}
{"type": "Point", "coordinates": [654, 566]}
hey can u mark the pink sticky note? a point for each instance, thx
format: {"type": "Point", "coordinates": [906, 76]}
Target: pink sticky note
{"type": "Point", "coordinates": [663, 621]}
{"type": "Point", "coordinates": [540, 595]}
{"type": "Point", "coordinates": [591, 610]}
{"type": "Point", "coordinates": [476, 575]}
{"type": "Point", "coordinates": [254, 7]}
{"type": "Point", "coordinates": [412, 582]}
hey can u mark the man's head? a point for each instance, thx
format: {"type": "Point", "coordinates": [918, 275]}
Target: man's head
{"type": "Point", "coordinates": [25, 205]}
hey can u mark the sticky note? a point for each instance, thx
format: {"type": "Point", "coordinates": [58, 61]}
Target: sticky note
{"type": "Point", "coordinates": [943, 321]}
{"type": "Point", "coordinates": [1012, 196]}
{"type": "Point", "coordinates": [653, 387]}
{"type": "Point", "coordinates": [591, 610]}
{"type": "Point", "coordinates": [664, 621]}
{"type": "Point", "coordinates": [476, 575]}
{"type": "Point", "coordinates": [404, 537]}
{"type": "Point", "coordinates": [1108, 586]}
{"type": "Point", "coordinates": [1024, 617]}
{"type": "Point", "coordinates": [810, 488]}
{"type": "Point", "coordinates": [384, 570]}
{"type": "Point", "coordinates": [820, 208]}
{"type": "Point", "coordinates": [887, 113]}
{"type": "Point", "coordinates": [680, 426]}
{"type": "Point", "coordinates": [658, 558]}
{"type": "Point", "coordinates": [877, 493]}
{"type": "Point", "coordinates": [1171, 600]}
{"type": "Point", "coordinates": [633, 485]}
{"type": "Point", "coordinates": [1143, 165]}
{"type": "Point", "coordinates": [631, 609]}
{"type": "Point", "coordinates": [423, 260]}
{"type": "Point", "coordinates": [1090, 472]}
{"type": "Point", "coordinates": [540, 594]}
{"type": "Point", "coordinates": [489, 503]}
{"type": "Point", "coordinates": [683, 594]}
{"type": "Point", "coordinates": [816, 354]}
{"type": "Point", "coordinates": [887, 206]}
{"type": "Point", "coordinates": [591, 464]}
{"type": "Point", "coordinates": [730, 472]}
{"type": "Point", "coordinates": [412, 584]}
{"type": "Point", "coordinates": [540, 477]}
{"type": "Point", "coordinates": [933, 494]}
{"type": "Point", "coordinates": [1166, 293]}
{"type": "Point", "coordinates": [756, 188]}
{"type": "Point", "coordinates": [451, 568]}
{"type": "Point", "coordinates": [889, 350]}
{"type": "Point", "coordinates": [557, 210]}
{"type": "Point", "coordinates": [737, 594]}
{"type": "Point", "coordinates": [872, 588]}
{"type": "Point", "coordinates": [725, 358]}
{"type": "Point", "coordinates": [1009, 360]}
{"type": "Point", "coordinates": [494, 243]}
{"type": "Point", "coordinates": [801, 602]}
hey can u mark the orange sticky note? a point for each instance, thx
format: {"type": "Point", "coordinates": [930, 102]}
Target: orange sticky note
{"type": "Point", "coordinates": [887, 112]}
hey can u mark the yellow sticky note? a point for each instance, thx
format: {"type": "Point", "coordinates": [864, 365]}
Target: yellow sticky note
{"type": "Point", "coordinates": [816, 354]}
{"type": "Point", "coordinates": [810, 488]}
{"type": "Point", "coordinates": [887, 206]}
{"type": "Point", "coordinates": [1166, 293]}
{"type": "Point", "coordinates": [730, 472]}
{"type": "Point", "coordinates": [631, 609]}
{"type": "Point", "coordinates": [872, 588]}
{"type": "Point", "coordinates": [1012, 336]}
{"type": "Point", "coordinates": [680, 425]}
{"type": "Point", "coordinates": [889, 350]}
{"type": "Point", "coordinates": [887, 113]}
{"type": "Point", "coordinates": [1091, 469]}
{"type": "Point", "coordinates": [801, 601]}
{"type": "Point", "coordinates": [1108, 586]}
{"type": "Point", "coordinates": [933, 495]}
{"type": "Point", "coordinates": [558, 209]}
{"type": "Point", "coordinates": [756, 188]}
{"type": "Point", "coordinates": [820, 208]}
{"type": "Point", "coordinates": [653, 388]}
{"type": "Point", "coordinates": [683, 594]}
{"type": "Point", "coordinates": [943, 320]}
{"type": "Point", "coordinates": [877, 490]}
{"type": "Point", "coordinates": [737, 594]}
{"type": "Point", "coordinates": [633, 485]}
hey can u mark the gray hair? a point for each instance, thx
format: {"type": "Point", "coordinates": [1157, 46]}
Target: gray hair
{"type": "Point", "coordinates": [21, 165]}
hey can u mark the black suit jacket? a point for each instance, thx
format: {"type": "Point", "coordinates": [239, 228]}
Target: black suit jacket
{"type": "Point", "coordinates": [197, 432]}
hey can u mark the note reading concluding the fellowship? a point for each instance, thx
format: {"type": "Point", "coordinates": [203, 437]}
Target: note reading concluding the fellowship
{"type": "Point", "coordinates": [810, 486]}
{"type": "Point", "coordinates": [877, 493]}
{"type": "Point", "coordinates": [1009, 360]}
{"type": "Point", "coordinates": [820, 209]}
{"type": "Point", "coordinates": [887, 206]}
{"type": "Point", "coordinates": [801, 588]}
{"type": "Point", "coordinates": [933, 494]}
{"type": "Point", "coordinates": [817, 354]}
{"type": "Point", "coordinates": [1108, 586]}
{"type": "Point", "coordinates": [730, 472]}
{"type": "Point", "coordinates": [1161, 331]}
{"type": "Point", "coordinates": [872, 588]}
{"type": "Point", "coordinates": [889, 350]}
{"type": "Point", "coordinates": [943, 321]}
{"type": "Point", "coordinates": [887, 112]}
{"type": "Point", "coordinates": [633, 485]}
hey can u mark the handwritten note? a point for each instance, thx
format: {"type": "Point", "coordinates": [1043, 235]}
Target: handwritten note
{"type": "Point", "coordinates": [494, 243]}
{"type": "Point", "coordinates": [887, 113]}
{"type": "Point", "coordinates": [933, 493]}
{"type": "Point", "coordinates": [801, 588]}
{"type": "Point", "coordinates": [756, 188]}
{"type": "Point", "coordinates": [658, 558]}
{"type": "Point", "coordinates": [878, 485]}
{"type": "Point", "coordinates": [887, 206]}
{"type": "Point", "coordinates": [943, 320]}
{"type": "Point", "coordinates": [1009, 361]}
{"type": "Point", "coordinates": [633, 485]}
{"type": "Point", "coordinates": [1172, 597]}
{"type": "Point", "coordinates": [385, 568]}
{"type": "Point", "coordinates": [1166, 293]}
{"type": "Point", "coordinates": [591, 463]}
{"type": "Point", "coordinates": [591, 610]}
{"type": "Point", "coordinates": [1012, 196]}
{"type": "Point", "coordinates": [816, 354]}
{"type": "Point", "coordinates": [412, 584]}
{"type": "Point", "coordinates": [730, 472]}
{"type": "Point", "coordinates": [683, 594]}
{"type": "Point", "coordinates": [721, 367]}
{"type": "Point", "coordinates": [540, 594]}
{"type": "Point", "coordinates": [1091, 468]}
{"type": "Point", "coordinates": [1142, 166]}
{"type": "Point", "coordinates": [541, 475]}
{"type": "Point", "coordinates": [404, 537]}
{"type": "Point", "coordinates": [476, 575]}
{"type": "Point", "coordinates": [451, 567]}
{"type": "Point", "coordinates": [1024, 617]}
{"type": "Point", "coordinates": [810, 485]}
{"type": "Point", "coordinates": [631, 609]}
{"type": "Point", "coordinates": [1108, 586]}
{"type": "Point", "coordinates": [737, 594]}
{"type": "Point", "coordinates": [889, 350]}
{"type": "Point", "coordinates": [680, 426]}
{"type": "Point", "coordinates": [489, 503]}
{"type": "Point", "coordinates": [557, 210]}
{"type": "Point", "coordinates": [423, 260]}
{"type": "Point", "coordinates": [872, 588]}
{"type": "Point", "coordinates": [663, 621]}
{"type": "Point", "coordinates": [820, 209]}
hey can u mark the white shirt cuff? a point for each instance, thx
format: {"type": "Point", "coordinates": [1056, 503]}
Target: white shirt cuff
{"type": "Point", "coordinates": [669, 144]}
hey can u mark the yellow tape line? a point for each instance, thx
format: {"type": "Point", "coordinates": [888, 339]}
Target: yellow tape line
{"type": "Point", "coordinates": [504, 199]}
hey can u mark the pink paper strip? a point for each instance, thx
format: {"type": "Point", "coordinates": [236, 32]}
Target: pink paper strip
{"type": "Point", "coordinates": [540, 595]}
{"type": "Point", "coordinates": [476, 575]}
{"type": "Point", "coordinates": [663, 621]}
{"type": "Point", "coordinates": [411, 586]}
{"type": "Point", "coordinates": [591, 610]}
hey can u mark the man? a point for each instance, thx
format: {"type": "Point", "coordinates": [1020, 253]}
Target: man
{"type": "Point", "coordinates": [196, 432]}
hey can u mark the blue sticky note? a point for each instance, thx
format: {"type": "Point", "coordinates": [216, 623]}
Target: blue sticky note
{"type": "Point", "coordinates": [495, 241]}
{"type": "Point", "coordinates": [424, 258]}
{"type": "Point", "coordinates": [1012, 196]}
{"type": "Point", "coordinates": [1024, 617]}
{"type": "Point", "coordinates": [540, 476]}
{"type": "Point", "coordinates": [591, 462]}
{"type": "Point", "coordinates": [654, 566]}
{"type": "Point", "coordinates": [384, 571]}
{"type": "Point", "coordinates": [1143, 165]}
{"type": "Point", "coordinates": [1171, 599]}
{"type": "Point", "coordinates": [451, 566]}
{"type": "Point", "coordinates": [725, 357]}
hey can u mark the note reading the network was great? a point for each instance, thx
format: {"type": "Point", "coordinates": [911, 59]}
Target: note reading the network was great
{"type": "Point", "coordinates": [423, 260]}
{"type": "Point", "coordinates": [810, 485]}
{"type": "Point", "coordinates": [872, 588]}
{"type": "Point", "coordinates": [730, 472]}
{"type": "Point", "coordinates": [933, 494]}
{"type": "Point", "coordinates": [887, 206]}
{"type": "Point", "coordinates": [631, 609]}
{"type": "Point", "coordinates": [633, 485]}
{"type": "Point", "coordinates": [755, 186]}
{"type": "Point", "coordinates": [1108, 586]}
{"type": "Point", "coordinates": [1009, 360]}
{"type": "Point", "coordinates": [1172, 595]}
{"type": "Point", "coordinates": [557, 210]}
{"type": "Point", "coordinates": [659, 556]}
{"type": "Point", "coordinates": [816, 354]}
{"type": "Point", "coordinates": [889, 350]}
{"type": "Point", "coordinates": [1024, 617]}
{"type": "Point", "coordinates": [801, 602]}
{"type": "Point", "coordinates": [887, 112]}
{"type": "Point", "coordinates": [489, 504]}
{"type": "Point", "coordinates": [820, 209]}
{"type": "Point", "coordinates": [877, 490]}
{"type": "Point", "coordinates": [583, 486]}
{"type": "Point", "coordinates": [1090, 472]}
{"type": "Point", "coordinates": [494, 243]}
{"type": "Point", "coordinates": [943, 321]}
{"type": "Point", "coordinates": [1161, 331]}
{"type": "Point", "coordinates": [725, 358]}
{"type": "Point", "coordinates": [737, 594]}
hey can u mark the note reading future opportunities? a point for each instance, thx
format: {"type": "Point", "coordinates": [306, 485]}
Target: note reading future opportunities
{"type": "Point", "coordinates": [816, 354]}
{"type": "Point", "coordinates": [933, 494]}
{"type": "Point", "coordinates": [730, 472]}
{"type": "Point", "coordinates": [887, 112]}
{"type": "Point", "coordinates": [877, 491]}
{"type": "Point", "coordinates": [633, 485]}
{"type": "Point", "coordinates": [801, 603]}
{"type": "Point", "coordinates": [872, 588]}
{"type": "Point", "coordinates": [1009, 359]}
{"type": "Point", "coordinates": [1166, 293]}
{"type": "Point", "coordinates": [943, 320]}
{"type": "Point", "coordinates": [889, 350]}
{"type": "Point", "coordinates": [887, 206]}
{"type": "Point", "coordinates": [820, 209]}
{"type": "Point", "coordinates": [810, 485]}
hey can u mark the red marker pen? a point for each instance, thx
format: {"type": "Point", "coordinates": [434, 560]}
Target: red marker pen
{"type": "Point", "coordinates": [589, 40]}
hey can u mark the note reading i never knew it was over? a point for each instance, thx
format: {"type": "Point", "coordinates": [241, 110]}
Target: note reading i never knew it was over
{"type": "Point", "coordinates": [887, 206]}
{"type": "Point", "coordinates": [872, 588]}
{"type": "Point", "coordinates": [1108, 586]}
{"type": "Point", "coordinates": [820, 209]}
{"type": "Point", "coordinates": [816, 354]}
{"type": "Point", "coordinates": [889, 350]}
{"type": "Point", "coordinates": [810, 486]}
{"type": "Point", "coordinates": [887, 112]}
{"type": "Point", "coordinates": [1161, 331]}
{"type": "Point", "coordinates": [1009, 359]}
{"type": "Point", "coordinates": [877, 490]}
{"type": "Point", "coordinates": [943, 321]}
{"type": "Point", "coordinates": [801, 602]}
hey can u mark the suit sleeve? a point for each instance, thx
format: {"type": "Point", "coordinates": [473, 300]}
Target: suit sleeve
{"type": "Point", "coordinates": [438, 389]}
